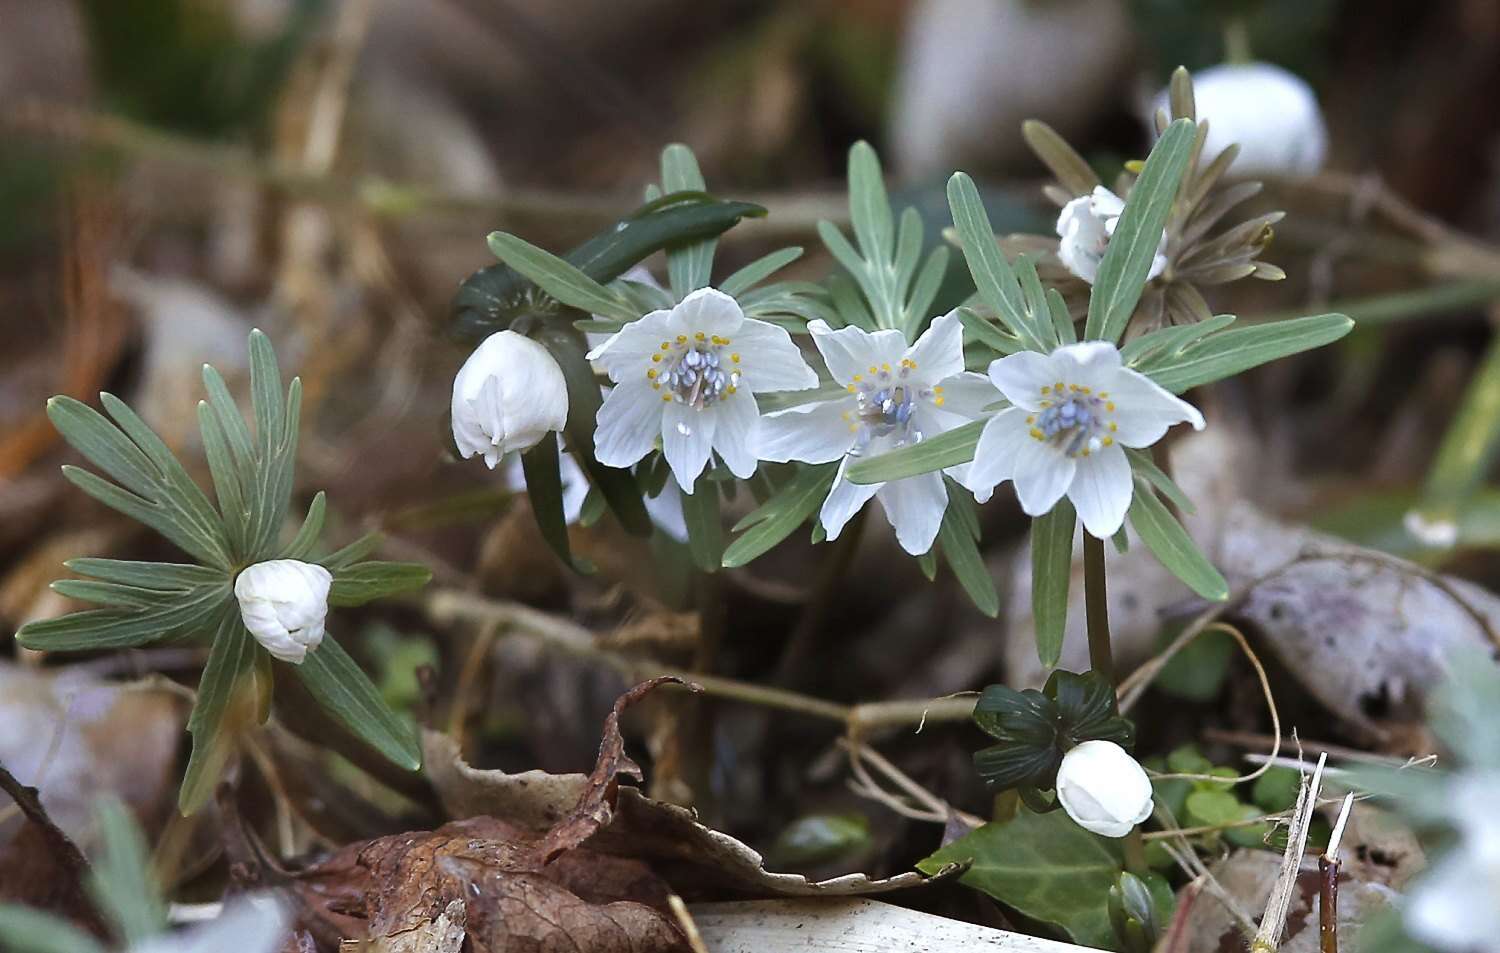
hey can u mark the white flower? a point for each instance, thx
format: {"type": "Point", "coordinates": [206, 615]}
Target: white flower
{"type": "Point", "coordinates": [897, 395]}
{"type": "Point", "coordinates": [508, 395]}
{"type": "Point", "coordinates": [1073, 411]}
{"type": "Point", "coordinates": [248, 924]}
{"type": "Point", "coordinates": [1455, 906]}
{"type": "Point", "coordinates": [665, 508]}
{"type": "Point", "coordinates": [1103, 788]}
{"type": "Point", "coordinates": [689, 376]}
{"type": "Point", "coordinates": [1438, 533]}
{"type": "Point", "coordinates": [1271, 113]}
{"type": "Point", "coordinates": [283, 603]}
{"type": "Point", "coordinates": [1084, 229]}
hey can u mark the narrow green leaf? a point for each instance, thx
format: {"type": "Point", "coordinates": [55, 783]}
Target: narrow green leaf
{"type": "Point", "coordinates": [869, 206]}
{"type": "Point", "coordinates": [1239, 349]}
{"type": "Point", "coordinates": [160, 576]}
{"type": "Point", "coordinates": [27, 930]}
{"type": "Point", "coordinates": [115, 594]}
{"type": "Point", "coordinates": [540, 464]}
{"type": "Point", "coordinates": [1469, 447]}
{"type": "Point", "coordinates": [1163, 344]}
{"type": "Point", "coordinates": [987, 334]}
{"type": "Point", "coordinates": [705, 526]}
{"type": "Point", "coordinates": [343, 558]}
{"type": "Point", "coordinates": [908, 252]}
{"type": "Point", "coordinates": [1073, 173]}
{"type": "Point", "coordinates": [947, 449]}
{"type": "Point", "coordinates": [312, 529]}
{"type": "Point", "coordinates": [1062, 319]}
{"type": "Point", "coordinates": [993, 276]}
{"type": "Point", "coordinates": [365, 582]}
{"type": "Point", "coordinates": [226, 477]}
{"type": "Point", "coordinates": [689, 266]}
{"type": "Point", "coordinates": [226, 675]}
{"type": "Point", "coordinates": [1127, 260]}
{"type": "Point", "coordinates": [1146, 469]}
{"type": "Point", "coordinates": [558, 278]}
{"type": "Point", "coordinates": [165, 520]}
{"type": "Point", "coordinates": [924, 290]}
{"type": "Point", "coordinates": [121, 881]}
{"type": "Point", "coordinates": [1051, 575]}
{"type": "Point", "coordinates": [962, 553]}
{"type": "Point", "coordinates": [118, 628]}
{"type": "Point", "coordinates": [102, 444]}
{"type": "Point", "coordinates": [1172, 546]}
{"type": "Point", "coordinates": [344, 690]}
{"type": "Point", "coordinates": [758, 270]}
{"type": "Point", "coordinates": [236, 434]}
{"type": "Point", "coordinates": [266, 396]}
{"type": "Point", "coordinates": [788, 508]}
{"type": "Point", "coordinates": [177, 486]}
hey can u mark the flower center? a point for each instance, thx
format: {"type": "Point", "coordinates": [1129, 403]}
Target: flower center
{"type": "Point", "coordinates": [1074, 419]}
{"type": "Point", "coordinates": [696, 371]}
{"type": "Point", "coordinates": [885, 406]}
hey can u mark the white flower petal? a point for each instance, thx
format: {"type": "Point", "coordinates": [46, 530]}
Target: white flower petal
{"type": "Point", "coordinates": [966, 397]}
{"type": "Point", "coordinates": [1092, 364]}
{"type": "Point", "coordinates": [687, 436]}
{"type": "Point", "coordinates": [769, 359]}
{"type": "Point", "coordinates": [914, 507]}
{"type": "Point", "coordinates": [628, 424]}
{"type": "Point", "coordinates": [1101, 490]}
{"type": "Point", "coordinates": [1105, 204]}
{"type": "Point", "coordinates": [853, 351]}
{"type": "Point", "coordinates": [1273, 116]}
{"type": "Point", "coordinates": [1103, 788]}
{"type": "Point", "coordinates": [665, 510]}
{"type": "Point", "coordinates": [283, 603]}
{"type": "Point", "coordinates": [249, 923]}
{"type": "Point", "coordinates": [1000, 441]}
{"type": "Point", "coordinates": [1081, 238]}
{"type": "Point", "coordinates": [507, 396]}
{"type": "Point", "coordinates": [710, 311]}
{"type": "Point", "coordinates": [1042, 475]}
{"type": "Point", "coordinates": [813, 433]}
{"type": "Point", "coordinates": [736, 433]}
{"type": "Point", "coordinates": [1021, 377]}
{"type": "Point", "coordinates": [628, 351]}
{"type": "Point", "coordinates": [844, 500]}
{"type": "Point", "coordinates": [939, 352]}
{"type": "Point", "coordinates": [1144, 411]}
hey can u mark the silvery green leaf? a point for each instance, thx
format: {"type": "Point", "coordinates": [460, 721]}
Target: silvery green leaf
{"type": "Point", "coordinates": [27, 930]}
{"type": "Point", "coordinates": [558, 278]}
{"type": "Point", "coordinates": [957, 540]}
{"type": "Point", "coordinates": [924, 290]}
{"type": "Point", "coordinates": [121, 881]}
{"type": "Point", "coordinates": [226, 476]}
{"type": "Point", "coordinates": [1172, 546]}
{"type": "Point", "coordinates": [869, 206]}
{"type": "Point", "coordinates": [367, 581]}
{"type": "Point", "coordinates": [350, 554]}
{"type": "Point", "coordinates": [269, 489]}
{"type": "Point", "coordinates": [117, 628]}
{"type": "Point", "coordinates": [1163, 344]}
{"type": "Point", "coordinates": [1127, 260]}
{"type": "Point", "coordinates": [312, 528]}
{"type": "Point", "coordinates": [1062, 319]}
{"type": "Point", "coordinates": [157, 498]}
{"type": "Point", "coordinates": [987, 334]}
{"type": "Point", "coordinates": [993, 277]}
{"type": "Point", "coordinates": [148, 575]}
{"type": "Point", "coordinates": [115, 594]}
{"type": "Point", "coordinates": [1060, 158]}
{"type": "Point", "coordinates": [788, 508]}
{"type": "Point", "coordinates": [1146, 469]}
{"type": "Point", "coordinates": [690, 266]}
{"type": "Point", "coordinates": [758, 270]}
{"type": "Point", "coordinates": [343, 689]}
{"type": "Point", "coordinates": [700, 511]}
{"type": "Point", "coordinates": [1051, 574]}
{"type": "Point", "coordinates": [948, 449]}
{"type": "Point", "coordinates": [1238, 349]}
{"type": "Point", "coordinates": [228, 672]}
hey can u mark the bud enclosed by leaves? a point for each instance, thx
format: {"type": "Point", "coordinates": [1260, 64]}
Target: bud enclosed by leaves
{"type": "Point", "coordinates": [1103, 788]}
{"type": "Point", "coordinates": [283, 603]}
{"type": "Point", "coordinates": [508, 395]}
{"type": "Point", "coordinates": [1132, 914]}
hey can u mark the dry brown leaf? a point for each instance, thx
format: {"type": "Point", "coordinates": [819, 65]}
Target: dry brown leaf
{"type": "Point", "coordinates": [40, 867]}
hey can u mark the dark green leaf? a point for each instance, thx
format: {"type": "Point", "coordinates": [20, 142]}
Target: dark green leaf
{"type": "Point", "coordinates": [993, 277]}
{"type": "Point", "coordinates": [700, 510]}
{"type": "Point", "coordinates": [161, 576]}
{"type": "Point", "coordinates": [347, 693]}
{"type": "Point", "coordinates": [1044, 866]}
{"type": "Point", "coordinates": [541, 466]}
{"type": "Point", "coordinates": [558, 278]}
{"type": "Point", "coordinates": [227, 677]}
{"type": "Point", "coordinates": [689, 264]}
{"type": "Point", "coordinates": [119, 628]}
{"type": "Point", "coordinates": [959, 548]}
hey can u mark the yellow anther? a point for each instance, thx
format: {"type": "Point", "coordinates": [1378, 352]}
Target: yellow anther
{"type": "Point", "coordinates": [1036, 434]}
{"type": "Point", "coordinates": [851, 388]}
{"type": "Point", "coordinates": [735, 358]}
{"type": "Point", "coordinates": [854, 428]}
{"type": "Point", "coordinates": [1031, 419]}
{"type": "Point", "coordinates": [656, 387]}
{"type": "Point", "coordinates": [1104, 395]}
{"type": "Point", "coordinates": [666, 398]}
{"type": "Point", "coordinates": [874, 369]}
{"type": "Point", "coordinates": [845, 415]}
{"type": "Point", "coordinates": [1109, 441]}
{"type": "Point", "coordinates": [1114, 428]}
{"type": "Point", "coordinates": [731, 389]}
{"type": "Point", "coordinates": [1046, 389]}
{"type": "Point", "coordinates": [857, 379]}
{"type": "Point", "coordinates": [1110, 406]}
{"type": "Point", "coordinates": [938, 401]}
{"type": "Point", "coordinates": [1084, 452]}
{"type": "Point", "coordinates": [666, 345]}
{"type": "Point", "coordinates": [938, 389]}
{"type": "Point", "coordinates": [1058, 387]}
{"type": "Point", "coordinates": [885, 367]}
{"type": "Point", "coordinates": [651, 374]}
{"type": "Point", "coordinates": [699, 336]}
{"type": "Point", "coordinates": [1085, 390]}
{"type": "Point", "coordinates": [1046, 404]}
{"type": "Point", "coordinates": [913, 364]}
{"type": "Point", "coordinates": [1073, 388]}
{"type": "Point", "coordinates": [682, 339]}
{"type": "Point", "coordinates": [655, 358]}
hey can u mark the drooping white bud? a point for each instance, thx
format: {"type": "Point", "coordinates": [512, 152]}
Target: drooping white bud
{"type": "Point", "coordinates": [1103, 788]}
{"type": "Point", "coordinates": [1084, 229]}
{"type": "Point", "coordinates": [1273, 115]}
{"type": "Point", "coordinates": [508, 395]}
{"type": "Point", "coordinates": [284, 603]}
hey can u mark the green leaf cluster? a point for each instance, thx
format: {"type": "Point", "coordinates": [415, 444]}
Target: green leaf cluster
{"type": "Point", "coordinates": [1036, 728]}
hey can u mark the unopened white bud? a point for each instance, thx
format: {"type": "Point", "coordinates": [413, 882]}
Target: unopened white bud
{"type": "Point", "coordinates": [284, 603]}
{"type": "Point", "coordinates": [1084, 229]}
{"type": "Point", "coordinates": [1103, 788]}
{"type": "Point", "coordinates": [508, 395]}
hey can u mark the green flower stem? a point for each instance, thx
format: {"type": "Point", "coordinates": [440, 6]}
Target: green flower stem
{"type": "Point", "coordinates": [1101, 657]}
